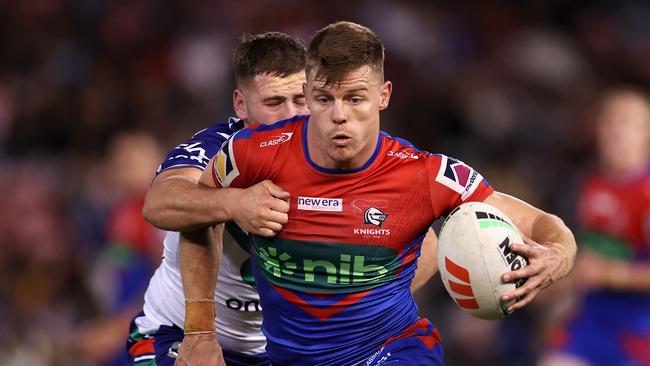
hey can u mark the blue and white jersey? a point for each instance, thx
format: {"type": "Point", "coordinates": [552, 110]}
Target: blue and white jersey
{"type": "Point", "coordinates": [237, 301]}
{"type": "Point", "coordinates": [198, 150]}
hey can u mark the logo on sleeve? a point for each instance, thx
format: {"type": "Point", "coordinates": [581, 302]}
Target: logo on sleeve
{"type": "Point", "coordinates": [276, 140]}
{"type": "Point", "coordinates": [459, 177]}
{"type": "Point", "coordinates": [225, 169]}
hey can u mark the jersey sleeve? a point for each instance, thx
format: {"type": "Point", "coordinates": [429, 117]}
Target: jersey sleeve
{"type": "Point", "coordinates": [236, 164]}
{"type": "Point", "coordinates": [195, 152]}
{"type": "Point", "coordinates": [454, 183]}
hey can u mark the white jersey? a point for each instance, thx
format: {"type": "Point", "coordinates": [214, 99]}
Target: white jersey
{"type": "Point", "coordinates": [237, 302]}
{"type": "Point", "coordinates": [239, 312]}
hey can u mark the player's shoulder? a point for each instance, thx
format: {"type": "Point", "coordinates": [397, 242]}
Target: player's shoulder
{"type": "Point", "coordinates": [283, 130]}
{"type": "Point", "coordinates": [404, 150]}
{"type": "Point", "coordinates": [220, 131]}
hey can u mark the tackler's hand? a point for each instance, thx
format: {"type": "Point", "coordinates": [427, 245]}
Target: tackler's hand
{"type": "Point", "coordinates": [263, 209]}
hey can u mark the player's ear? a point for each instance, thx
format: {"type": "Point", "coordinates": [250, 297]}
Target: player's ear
{"type": "Point", "coordinates": [239, 104]}
{"type": "Point", "coordinates": [384, 95]}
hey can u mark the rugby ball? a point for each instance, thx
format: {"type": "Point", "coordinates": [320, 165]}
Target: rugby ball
{"type": "Point", "coordinates": [473, 254]}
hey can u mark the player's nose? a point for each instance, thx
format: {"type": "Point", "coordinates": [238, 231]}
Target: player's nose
{"type": "Point", "coordinates": [338, 114]}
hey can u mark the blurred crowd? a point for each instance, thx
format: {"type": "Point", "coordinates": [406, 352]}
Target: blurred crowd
{"type": "Point", "coordinates": [93, 93]}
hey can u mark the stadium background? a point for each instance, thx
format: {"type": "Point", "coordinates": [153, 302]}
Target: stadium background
{"type": "Point", "coordinates": [93, 92]}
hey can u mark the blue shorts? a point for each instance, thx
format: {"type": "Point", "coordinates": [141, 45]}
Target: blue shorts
{"type": "Point", "coordinates": [417, 345]}
{"type": "Point", "coordinates": [161, 348]}
{"type": "Point", "coordinates": [610, 329]}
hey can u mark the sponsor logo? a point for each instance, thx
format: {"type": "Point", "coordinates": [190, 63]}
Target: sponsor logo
{"type": "Point", "coordinates": [320, 204]}
{"type": "Point", "coordinates": [404, 154]}
{"type": "Point", "coordinates": [276, 140]}
{"type": "Point", "coordinates": [463, 287]}
{"type": "Point", "coordinates": [244, 305]}
{"type": "Point", "coordinates": [324, 267]}
{"type": "Point", "coordinates": [514, 260]}
{"type": "Point", "coordinates": [374, 216]}
{"type": "Point", "coordinates": [459, 177]}
{"type": "Point", "coordinates": [347, 270]}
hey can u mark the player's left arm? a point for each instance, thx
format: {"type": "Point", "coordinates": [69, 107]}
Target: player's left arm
{"type": "Point", "coordinates": [550, 247]}
{"type": "Point", "coordinates": [427, 263]}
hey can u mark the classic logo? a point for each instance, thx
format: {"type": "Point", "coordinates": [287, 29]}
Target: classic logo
{"type": "Point", "coordinates": [374, 216]}
{"type": "Point", "coordinates": [276, 140]}
{"type": "Point", "coordinates": [320, 204]}
{"type": "Point", "coordinates": [404, 154]}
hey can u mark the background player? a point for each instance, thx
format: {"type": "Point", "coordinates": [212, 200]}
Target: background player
{"type": "Point", "coordinates": [611, 325]}
{"type": "Point", "coordinates": [334, 281]}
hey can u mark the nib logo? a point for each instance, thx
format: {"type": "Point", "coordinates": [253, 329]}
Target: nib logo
{"type": "Point", "coordinates": [277, 264]}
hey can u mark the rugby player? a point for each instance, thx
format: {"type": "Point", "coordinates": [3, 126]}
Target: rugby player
{"type": "Point", "coordinates": [334, 282]}
{"type": "Point", "coordinates": [611, 325]}
{"type": "Point", "coordinates": [269, 72]}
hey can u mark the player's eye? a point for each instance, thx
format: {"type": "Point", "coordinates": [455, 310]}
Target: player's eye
{"type": "Point", "coordinates": [356, 100]}
{"type": "Point", "coordinates": [322, 99]}
{"type": "Point", "coordinates": [300, 101]}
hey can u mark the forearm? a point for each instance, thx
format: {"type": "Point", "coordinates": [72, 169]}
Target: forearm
{"type": "Point", "coordinates": [550, 230]}
{"type": "Point", "coordinates": [180, 204]}
{"type": "Point", "coordinates": [199, 257]}
{"type": "Point", "coordinates": [627, 276]}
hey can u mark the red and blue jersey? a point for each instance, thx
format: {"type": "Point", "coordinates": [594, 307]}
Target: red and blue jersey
{"type": "Point", "coordinates": [614, 215]}
{"type": "Point", "coordinates": [612, 327]}
{"type": "Point", "coordinates": [335, 282]}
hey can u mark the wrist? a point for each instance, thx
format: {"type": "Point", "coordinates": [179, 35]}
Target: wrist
{"type": "Point", "coordinates": [227, 202]}
{"type": "Point", "coordinates": [199, 316]}
{"type": "Point", "coordinates": [562, 270]}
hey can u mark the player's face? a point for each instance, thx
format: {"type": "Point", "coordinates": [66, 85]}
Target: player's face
{"type": "Point", "coordinates": [344, 124]}
{"type": "Point", "coordinates": [266, 99]}
{"type": "Point", "coordinates": [623, 132]}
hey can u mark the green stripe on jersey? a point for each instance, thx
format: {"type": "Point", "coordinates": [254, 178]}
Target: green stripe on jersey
{"type": "Point", "coordinates": [324, 267]}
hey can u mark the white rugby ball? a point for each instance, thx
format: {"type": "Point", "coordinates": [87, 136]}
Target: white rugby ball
{"type": "Point", "coordinates": [473, 254]}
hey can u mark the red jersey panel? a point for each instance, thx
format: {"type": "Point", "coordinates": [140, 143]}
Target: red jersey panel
{"type": "Point", "coordinates": [334, 283]}
{"type": "Point", "coordinates": [615, 214]}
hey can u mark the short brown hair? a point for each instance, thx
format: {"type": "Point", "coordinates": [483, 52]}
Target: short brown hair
{"type": "Point", "coordinates": [341, 48]}
{"type": "Point", "coordinates": [272, 53]}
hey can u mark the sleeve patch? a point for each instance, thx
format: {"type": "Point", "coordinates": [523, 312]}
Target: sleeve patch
{"type": "Point", "coordinates": [225, 168]}
{"type": "Point", "coordinates": [458, 177]}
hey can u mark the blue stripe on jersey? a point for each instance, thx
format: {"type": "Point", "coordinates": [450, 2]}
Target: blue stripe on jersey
{"type": "Point", "coordinates": [337, 171]}
{"type": "Point", "coordinates": [406, 143]}
{"type": "Point", "coordinates": [200, 148]}
{"type": "Point", "coordinates": [347, 337]}
{"type": "Point", "coordinates": [245, 134]}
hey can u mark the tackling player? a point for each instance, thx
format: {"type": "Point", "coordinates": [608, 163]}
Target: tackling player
{"type": "Point", "coordinates": [612, 323]}
{"type": "Point", "coordinates": [334, 282]}
{"type": "Point", "coordinates": [269, 72]}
